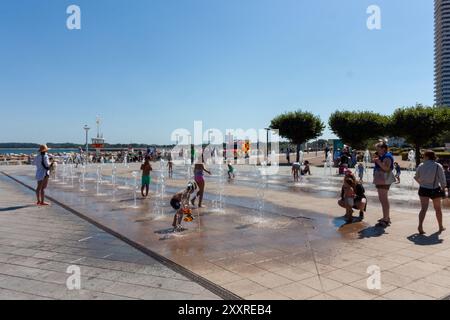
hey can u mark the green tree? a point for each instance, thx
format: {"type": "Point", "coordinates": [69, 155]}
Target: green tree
{"type": "Point", "coordinates": [358, 128]}
{"type": "Point", "coordinates": [298, 127]}
{"type": "Point", "coordinates": [419, 125]}
{"type": "Point", "coordinates": [443, 138]}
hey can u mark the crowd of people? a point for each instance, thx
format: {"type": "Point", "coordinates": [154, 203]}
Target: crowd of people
{"type": "Point", "coordinates": [130, 156]}
{"type": "Point", "coordinates": [433, 178]}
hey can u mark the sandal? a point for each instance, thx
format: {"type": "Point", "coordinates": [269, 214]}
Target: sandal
{"type": "Point", "coordinates": [384, 223]}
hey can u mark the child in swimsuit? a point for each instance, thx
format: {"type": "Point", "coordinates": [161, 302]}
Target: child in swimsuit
{"type": "Point", "coordinates": [170, 166]}
{"type": "Point", "coordinates": [296, 167]}
{"type": "Point", "coordinates": [360, 169]}
{"type": "Point", "coordinates": [306, 170]}
{"type": "Point", "coordinates": [198, 177]}
{"type": "Point", "coordinates": [53, 165]}
{"type": "Point", "coordinates": [180, 202]}
{"type": "Point", "coordinates": [230, 171]}
{"type": "Point", "coordinates": [398, 172]}
{"type": "Point", "coordinates": [447, 177]}
{"type": "Point", "coordinates": [146, 179]}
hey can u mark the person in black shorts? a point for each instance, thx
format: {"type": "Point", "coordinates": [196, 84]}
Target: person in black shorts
{"type": "Point", "coordinates": [431, 177]}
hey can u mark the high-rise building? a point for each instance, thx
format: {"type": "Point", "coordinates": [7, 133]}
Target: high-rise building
{"type": "Point", "coordinates": [442, 52]}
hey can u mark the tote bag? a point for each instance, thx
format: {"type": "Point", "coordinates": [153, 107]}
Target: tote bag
{"type": "Point", "coordinates": [382, 178]}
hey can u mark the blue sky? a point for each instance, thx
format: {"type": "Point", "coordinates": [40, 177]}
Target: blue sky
{"type": "Point", "coordinates": [150, 66]}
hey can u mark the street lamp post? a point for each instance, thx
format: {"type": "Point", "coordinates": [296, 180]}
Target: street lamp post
{"type": "Point", "coordinates": [86, 128]}
{"type": "Point", "coordinates": [190, 148]}
{"type": "Point", "coordinates": [267, 143]}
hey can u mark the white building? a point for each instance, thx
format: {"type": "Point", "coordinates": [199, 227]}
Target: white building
{"type": "Point", "coordinates": [442, 52]}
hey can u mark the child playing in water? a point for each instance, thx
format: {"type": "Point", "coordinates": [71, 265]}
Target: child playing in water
{"type": "Point", "coordinates": [360, 169]}
{"type": "Point", "coordinates": [349, 197]}
{"type": "Point", "coordinates": [306, 170]}
{"type": "Point", "coordinates": [230, 171]}
{"type": "Point", "coordinates": [146, 169]}
{"type": "Point", "coordinates": [199, 169]}
{"type": "Point", "coordinates": [295, 170]}
{"type": "Point", "coordinates": [180, 202]}
{"type": "Point", "coordinates": [170, 166]}
{"type": "Point", "coordinates": [53, 165]}
{"type": "Point", "coordinates": [447, 177]}
{"type": "Point", "coordinates": [398, 171]}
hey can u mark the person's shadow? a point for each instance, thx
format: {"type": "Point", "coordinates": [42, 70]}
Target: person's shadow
{"type": "Point", "coordinates": [371, 232]}
{"type": "Point", "coordinates": [14, 208]}
{"type": "Point", "coordinates": [424, 240]}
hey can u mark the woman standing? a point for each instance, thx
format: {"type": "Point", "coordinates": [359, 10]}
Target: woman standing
{"type": "Point", "coordinates": [431, 177]}
{"type": "Point", "coordinates": [199, 168]}
{"type": "Point", "coordinates": [42, 164]}
{"type": "Point", "coordinates": [383, 178]}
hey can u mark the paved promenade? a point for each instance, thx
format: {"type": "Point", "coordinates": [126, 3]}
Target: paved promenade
{"type": "Point", "coordinates": [37, 245]}
{"type": "Point", "coordinates": [300, 250]}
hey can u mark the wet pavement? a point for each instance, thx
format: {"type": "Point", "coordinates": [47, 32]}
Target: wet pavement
{"type": "Point", "coordinates": [298, 247]}
{"type": "Point", "coordinates": [37, 245]}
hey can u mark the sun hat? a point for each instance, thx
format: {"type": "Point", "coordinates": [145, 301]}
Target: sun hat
{"type": "Point", "coordinates": [43, 148]}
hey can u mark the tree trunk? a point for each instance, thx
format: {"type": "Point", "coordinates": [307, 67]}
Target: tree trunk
{"type": "Point", "coordinates": [417, 155]}
{"type": "Point", "coordinates": [298, 152]}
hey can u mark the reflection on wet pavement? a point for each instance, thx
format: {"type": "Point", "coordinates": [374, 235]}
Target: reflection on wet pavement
{"type": "Point", "coordinates": [234, 247]}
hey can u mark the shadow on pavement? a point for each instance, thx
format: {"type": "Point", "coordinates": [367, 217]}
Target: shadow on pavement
{"type": "Point", "coordinates": [423, 240]}
{"type": "Point", "coordinates": [371, 232]}
{"type": "Point", "coordinates": [14, 208]}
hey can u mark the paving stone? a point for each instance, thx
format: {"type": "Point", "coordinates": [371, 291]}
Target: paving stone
{"type": "Point", "coordinates": [297, 291]}
{"type": "Point", "coordinates": [36, 251]}
{"type": "Point", "coordinates": [347, 292]}
{"type": "Point", "coordinates": [265, 262]}
{"type": "Point", "coordinates": [405, 294]}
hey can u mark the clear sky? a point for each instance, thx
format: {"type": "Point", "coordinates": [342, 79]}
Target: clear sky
{"type": "Point", "coordinates": [150, 66]}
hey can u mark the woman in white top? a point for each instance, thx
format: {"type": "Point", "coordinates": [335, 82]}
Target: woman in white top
{"type": "Point", "coordinates": [42, 164]}
{"type": "Point", "coordinates": [431, 177]}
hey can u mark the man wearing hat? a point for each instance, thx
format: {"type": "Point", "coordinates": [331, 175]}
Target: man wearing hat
{"type": "Point", "coordinates": [42, 164]}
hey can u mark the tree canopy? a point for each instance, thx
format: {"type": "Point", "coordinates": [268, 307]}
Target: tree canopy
{"type": "Point", "coordinates": [358, 128]}
{"type": "Point", "coordinates": [298, 127]}
{"type": "Point", "coordinates": [419, 125]}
